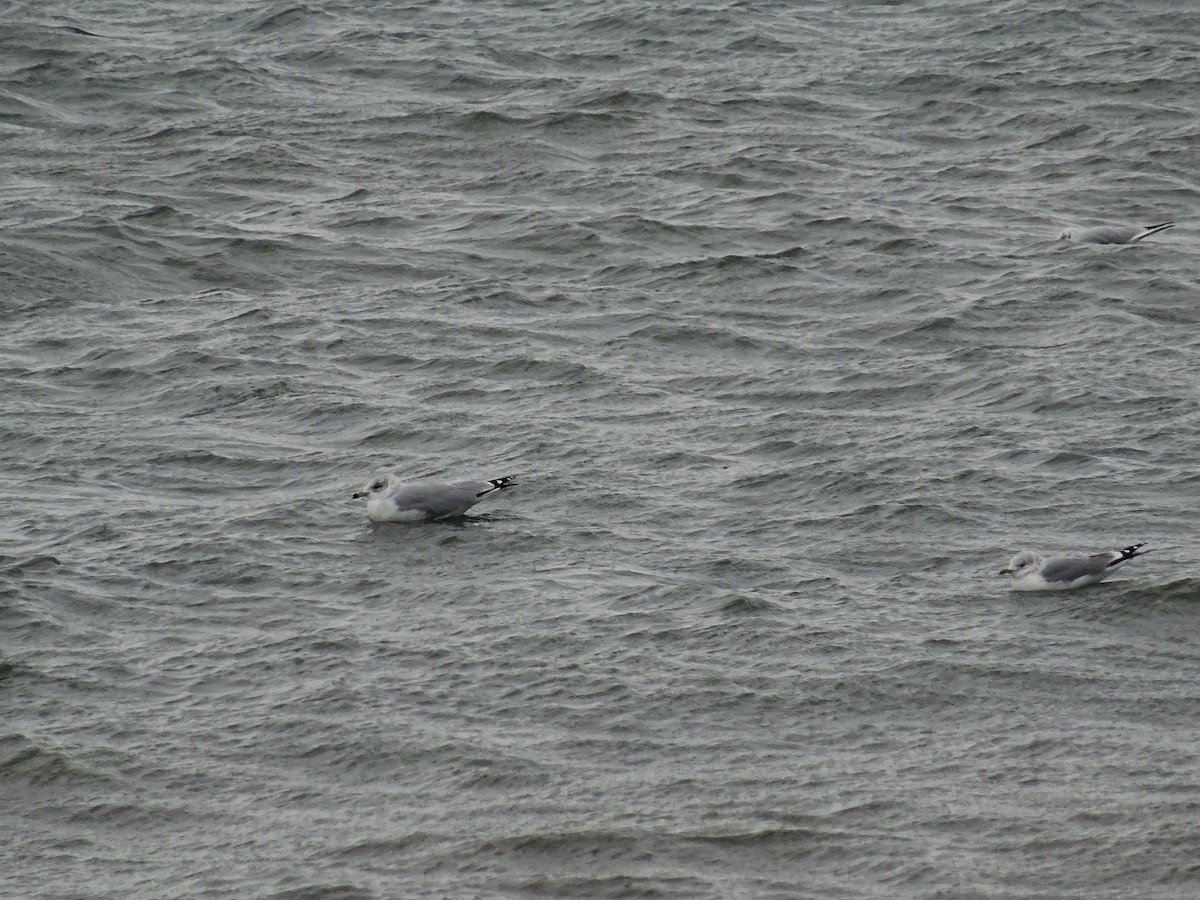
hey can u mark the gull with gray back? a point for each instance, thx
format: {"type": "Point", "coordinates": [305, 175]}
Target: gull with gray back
{"type": "Point", "coordinates": [1030, 571]}
{"type": "Point", "coordinates": [1112, 234]}
{"type": "Point", "coordinates": [390, 500]}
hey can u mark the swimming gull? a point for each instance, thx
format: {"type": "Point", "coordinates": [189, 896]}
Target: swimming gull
{"type": "Point", "coordinates": [1112, 234]}
{"type": "Point", "coordinates": [390, 500]}
{"type": "Point", "coordinates": [1031, 572]}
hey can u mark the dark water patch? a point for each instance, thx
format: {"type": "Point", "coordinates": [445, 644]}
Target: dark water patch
{"type": "Point", "coordinates": [660, 885]}
{"type": "Point", "coordinates": [750, 605]}
{"type": "Point", "coordinates": [31, 764]}
{"type": "Point", "coordinates": [316, 890]}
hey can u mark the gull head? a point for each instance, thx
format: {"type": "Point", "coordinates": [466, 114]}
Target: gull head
{"type": "Point", "coordinates": [377, 486]}
{"type": "Point", "coordinates": [1065, 234]}
{"type": "Point", "coordinates": [1022, 564]}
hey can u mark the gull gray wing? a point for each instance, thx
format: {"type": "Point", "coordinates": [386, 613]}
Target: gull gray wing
{"type": "Point", "coordinates": [1068, 570]}
{"type": "Point", "coordinates": [441, 501]}
{"type": "Point", "coordinates": [1108, 234]}
{"type": "Point", "coordinates": [1096, 566]}
{"type": "Point", "coordinates": [1114, 234]}
{"type": "Point", "coordinates": [435, 499]}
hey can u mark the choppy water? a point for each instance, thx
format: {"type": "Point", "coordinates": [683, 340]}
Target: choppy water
{"type": "Point", "coordinates": [759, 300]}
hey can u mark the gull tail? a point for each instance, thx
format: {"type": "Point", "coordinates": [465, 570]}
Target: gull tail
{"type": "Point", "coordinates": [1128, 553]}
{"type": "Point", "coordinates": [499, 484]}
{"type": "Point", "coordinates": [1151, 229]}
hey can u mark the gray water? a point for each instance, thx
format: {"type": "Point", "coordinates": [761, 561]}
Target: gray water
{"type": "Point", "coordinates": [761, 302]}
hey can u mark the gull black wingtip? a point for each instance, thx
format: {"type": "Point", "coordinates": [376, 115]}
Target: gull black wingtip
{"type": "Point", "coordinates": [1131, 552]}
{"type": "Point", "coordinates": [1149, 230]}
{"type": "Point", "coordinates": [498, 484]}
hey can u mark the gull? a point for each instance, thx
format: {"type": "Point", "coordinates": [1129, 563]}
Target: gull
{"type": "Point", "coordinates": [1032, 572]}
{"type": "Point", "coordinates": [390, 500]}
{"type": "Point", "coordinates": [1112, 234]}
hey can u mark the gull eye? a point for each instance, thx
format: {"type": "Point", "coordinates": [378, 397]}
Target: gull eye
{"type": "Point", "coordinates": [378, 484]}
